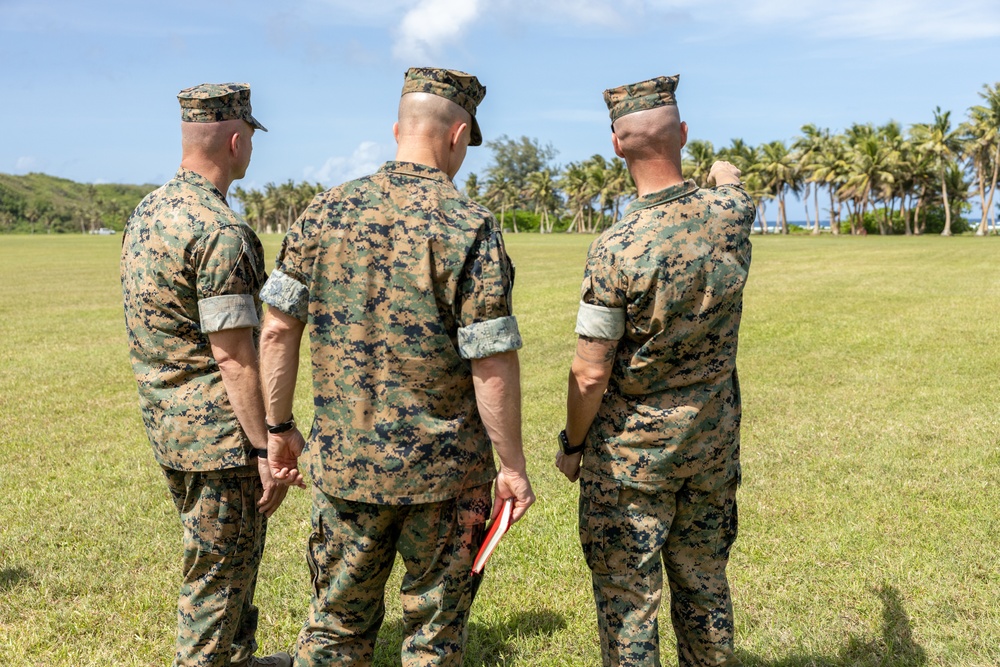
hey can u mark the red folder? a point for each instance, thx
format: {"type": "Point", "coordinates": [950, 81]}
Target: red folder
{"type": "Point", "coordinates": [496, 530]}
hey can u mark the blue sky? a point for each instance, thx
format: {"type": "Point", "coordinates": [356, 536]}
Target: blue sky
{"type": "Point", "coordinates": [90, 87]}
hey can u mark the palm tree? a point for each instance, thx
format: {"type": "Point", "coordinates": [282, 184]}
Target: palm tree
{"type": "Point", "coordinates": [699, 160]}
{"type": "Point", "coordinates": [575, 184]}
{"type": "Point", "coordinates": [620, 184]}
{"type": "Point", "coordinates": [779, 174]}
{"type": "Point", "coordinates": [503, 194]}
{"type": "Point", "coordinates": [541, 190]}
{"type": "Point", "coordinates": [808, 152]}
{"type": "Point", "coordinates": [941, 142]}
{"type": "Point", "coordinates": [982, 140]}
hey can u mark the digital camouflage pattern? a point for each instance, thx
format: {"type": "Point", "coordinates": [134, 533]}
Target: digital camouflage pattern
{"type": "Point", "coordinates": [351, 553]}
{"type": "Point", "coordinates": [674, 266]}
{"type": "Point", "coordinates": [223, 544]}
{"type": "Point", "coordinates": [216, 102]}
{"type": "Point", "coordinates": [640, 96]}
{"type": "Point", "coordinates": [461, 88]}
{"type": "Point", "coordinates": [401, 280]}
{"type": "Point", "coordinates": [691, 526]}
{"type": "Point", "coordinates": [189, 267]}
{"type": "Point", "coordinates": [661, 463]}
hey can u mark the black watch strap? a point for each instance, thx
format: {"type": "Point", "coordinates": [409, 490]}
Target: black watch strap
{"type": "Point", "coordinates": [564, 444]}
{"type": "Point", "coordinates": [282, 427]}
{"type": "Point", "coordinates": [259, 453]}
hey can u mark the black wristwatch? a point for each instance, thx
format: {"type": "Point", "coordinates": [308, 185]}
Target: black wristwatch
{"type": "Point", "coordinates": [282, 427]}
{"type": "Point", "coordinates": [564, 445]}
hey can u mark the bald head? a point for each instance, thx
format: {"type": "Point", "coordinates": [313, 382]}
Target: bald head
{"type": "Point", "coordinates": [218, 151]}
{"type": "Point", "coordinates": [652, 134]}
{"type": "Point", "coordinates": [427, 115]}
{"type": "Point", "coordinates": [210, 139]}
{"type": "Point", "coordinates": [432, 130]}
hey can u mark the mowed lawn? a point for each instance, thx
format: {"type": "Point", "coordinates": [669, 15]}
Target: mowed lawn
{"type": "Point", "coordinates": [869, 513]}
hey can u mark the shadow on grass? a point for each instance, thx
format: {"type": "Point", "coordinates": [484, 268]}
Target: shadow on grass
{"type": "Point", "coordinates": [10, 577]}
{"type": "Point", "coordinates": [487, 645]}
{"type": "Point", "coordinates": [894, 648]}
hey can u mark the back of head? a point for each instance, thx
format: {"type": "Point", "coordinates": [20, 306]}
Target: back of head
{"type": "Point", "coordinates": [652, 134]}
{"type": "Point", "coordinates": [645, 119]}
{"type": "Point", "coordinates": [428, 116]}
{"type": "Point", "coordinates": [458, 89]}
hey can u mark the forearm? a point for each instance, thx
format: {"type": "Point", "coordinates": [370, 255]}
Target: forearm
{"type": "Point", "coordinates": [582, 403]}
{"type": "Point", "coordinates": [238, 364]}
{"type": "Point", "coordinates": [497, 382]}
{"type": "Point", "coordinates": [281, 337]}
{"type": "Point", "coordinates": [588, 380]}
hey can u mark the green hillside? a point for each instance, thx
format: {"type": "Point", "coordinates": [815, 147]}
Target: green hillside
{"type": "Point", "coordinates": [39, 203]}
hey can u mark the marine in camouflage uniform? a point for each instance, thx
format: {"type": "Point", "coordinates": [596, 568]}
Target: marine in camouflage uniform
{"type": "Point", "coordinates": [190, 270]}
{"type": "Point", "coordinates": [658, 322]}
{"type": "Point", "coordinates": [405, 286]}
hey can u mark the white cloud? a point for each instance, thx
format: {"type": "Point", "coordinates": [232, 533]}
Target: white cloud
{"type": "Point", "coordinates": [431, 25]}
{"type": "Point", "coordinates": [365, 159]}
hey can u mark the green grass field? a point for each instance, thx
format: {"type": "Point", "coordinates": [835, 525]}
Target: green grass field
{"type": "Point", "coordinates": [870, 509]}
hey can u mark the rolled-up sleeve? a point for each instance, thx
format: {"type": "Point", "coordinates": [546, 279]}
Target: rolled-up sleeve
{"type": "Point", "coordinates": [601, 322]}
{"type": "Point", "coordinates": [486, 324]}
{"type": "Point", "coordinates": [484, 339]}
{"type": "Point", "coordinates": [230, 311]}
{"type": "Point", "coordinates": [287, 295]}
{"type": "Point", "coordinates": [602, 311]}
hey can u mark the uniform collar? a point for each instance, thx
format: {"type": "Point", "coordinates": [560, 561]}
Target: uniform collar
{"type": "Point", "coordinates": [415, 169]}
{"type": "Point", "coordinates": [199, 181]}
{"type": "Point", "coordinates": [662, 196]}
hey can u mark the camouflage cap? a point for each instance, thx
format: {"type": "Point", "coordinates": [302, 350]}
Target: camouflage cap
{"type": "Point", "coordinates": [640, 96]}
{"type": "Point", "coordinates": [461, 88]}
{"type": "Point", "coordinates": [216, 102]}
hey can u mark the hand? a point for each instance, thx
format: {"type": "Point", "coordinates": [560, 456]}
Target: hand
{"type": "Point", "coordinates": [724, 173]}
{"type": "Point", "coordinates": [283, 451]}
{"type": "Point", "coordinates": [274, 493]}
{"type": "Point", "coordinates": [513, 483]}
{"type": "Point", "coordinates": [569, 465]}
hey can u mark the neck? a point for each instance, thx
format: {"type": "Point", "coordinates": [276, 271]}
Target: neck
{"type": "Point", "coordinates": [654, 175]}
{"type": "Point", "coordinates": [218, 176]}
{"type": "Point", "coordinates": [424, 154]}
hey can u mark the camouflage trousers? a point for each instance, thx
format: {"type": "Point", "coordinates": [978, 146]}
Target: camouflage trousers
{"type": "Point", "coordinates": [690, 525]}
{"type": "Point", "coordinates": [223, 544]}
{"type": "Point", "coordinates": [351, 553]}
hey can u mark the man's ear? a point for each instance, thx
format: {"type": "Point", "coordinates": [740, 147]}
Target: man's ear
{"type": "Point", "coordinates": [234, 144]}
{"type": "Point", "coordinates": [395, 131]}
{"type": "Point", "coordinates": [456, 133]}
{"type": "Point", "coordinates": [617, 145]}
{"type": "Point", "coordinates": [684, 134]}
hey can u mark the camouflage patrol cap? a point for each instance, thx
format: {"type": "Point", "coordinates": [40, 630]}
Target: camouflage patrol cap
{"type": "Point", "coordinates": [461, 88]}
{"type": "Point", "coordinates": [649, 94]}
{"type": "Point", "coordinates": [216, 102]}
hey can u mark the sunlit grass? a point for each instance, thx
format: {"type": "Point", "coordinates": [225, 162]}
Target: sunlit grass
{"type": "Point", "coordinates": [869, 516]}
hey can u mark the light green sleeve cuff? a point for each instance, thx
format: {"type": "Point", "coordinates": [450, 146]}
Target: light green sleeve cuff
{"type": "Point", "coordinates": [287, 294]}
{"type": "Point", "coordinates": [485, 339]}
{"type": "Point", "coordinates": [229, 311]}
{"type": "Point", "coordinates": [600, 322]}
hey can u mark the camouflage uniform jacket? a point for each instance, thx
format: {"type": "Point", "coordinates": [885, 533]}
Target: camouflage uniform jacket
{"type": "Point", "coordinates": [666, 282]}
{"type": "Point", "coordinates": [189, 267]}
{"type": "Point", "coordinates": [401, 279]}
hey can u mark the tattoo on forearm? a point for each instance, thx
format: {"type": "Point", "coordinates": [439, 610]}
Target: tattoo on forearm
{"type": "Point", "coordinates": [596, 350]}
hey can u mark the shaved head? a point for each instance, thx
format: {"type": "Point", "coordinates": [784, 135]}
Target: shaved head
{"type": "Point", "coordinates": [209, 139]}
{"type": "Point", "coordinates": [427, 115]}
{"type": "Point", "coordinates": [651, 134]}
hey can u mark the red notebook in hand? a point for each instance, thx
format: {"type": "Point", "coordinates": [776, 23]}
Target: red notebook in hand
{"type": "Point", "coordinates": [493, 535]}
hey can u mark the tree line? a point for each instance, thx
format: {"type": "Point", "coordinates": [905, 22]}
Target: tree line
{"type": "Point", "coordinates": [865, 179]}
{"type": "Point", "coordinates": [871, 179]}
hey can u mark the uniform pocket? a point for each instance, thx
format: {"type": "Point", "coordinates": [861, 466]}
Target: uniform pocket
{"type": "Point", "coordinates": [598, 509]}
